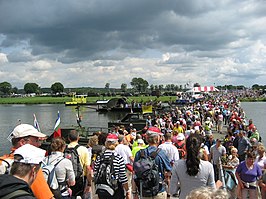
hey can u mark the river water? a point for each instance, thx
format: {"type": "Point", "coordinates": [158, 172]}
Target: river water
{"type": "Point", "coordinates": [47, 114]}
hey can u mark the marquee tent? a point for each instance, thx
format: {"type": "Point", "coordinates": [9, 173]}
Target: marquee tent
{"type": "Point", "coordinates": [203, 89]}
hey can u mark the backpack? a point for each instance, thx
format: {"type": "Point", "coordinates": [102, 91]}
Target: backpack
{"type": "Point", "coordinates": [147, 176]}
{"type": "Point", "coordinates": [105, 179]}
{"type": "Point", "coordinates": [48, 170]}
{"type": "Point", "coordinates": [73, 156]}
{"type": "Point", "coordinates": [181, 150]}
{"type": "Point", "coordinates": [16, 194]}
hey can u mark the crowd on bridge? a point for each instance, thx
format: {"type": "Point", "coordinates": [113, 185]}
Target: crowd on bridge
{"type": "Point", "coordinates": [209, 145]}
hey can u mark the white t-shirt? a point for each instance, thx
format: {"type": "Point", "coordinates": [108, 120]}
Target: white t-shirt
{"type": "Point", "coordinates": [124, 151]}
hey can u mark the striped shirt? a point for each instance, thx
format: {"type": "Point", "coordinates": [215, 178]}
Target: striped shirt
{"type": "Point", "coordinates": [118, 163]}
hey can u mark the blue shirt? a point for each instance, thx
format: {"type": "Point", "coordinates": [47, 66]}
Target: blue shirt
{"type": "Point", "coordinates": [249, 175]}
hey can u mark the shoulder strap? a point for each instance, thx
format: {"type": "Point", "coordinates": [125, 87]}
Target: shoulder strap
{"type": "Point", "coordinates": [58, 161]}
{"type": "Point", "coordinates": [77, 146]}
{"type": "Point", "coordinates": [8, 165]}
{"type": "Point", "coordinates": [111, 162]}
{"type": "Point", "coordinates": [155, 153]}
{"type": "Point", "coordinates": [142, 153]}
{"type": "Point", "coordinates": [17, 193]}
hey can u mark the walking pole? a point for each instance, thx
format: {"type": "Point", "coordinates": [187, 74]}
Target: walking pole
{"type": "Point", "coordinates": [222, 174]}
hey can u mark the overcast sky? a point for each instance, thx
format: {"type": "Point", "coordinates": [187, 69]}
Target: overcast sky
{"type": "Point", "coordinates": [94, 42]}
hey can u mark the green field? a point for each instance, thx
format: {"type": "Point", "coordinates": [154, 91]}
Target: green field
{"type": "Point", "coordinates": [62, 100]}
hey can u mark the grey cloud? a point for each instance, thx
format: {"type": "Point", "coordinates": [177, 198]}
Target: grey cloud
{"type": "Point", "coordinates": [101, 33]}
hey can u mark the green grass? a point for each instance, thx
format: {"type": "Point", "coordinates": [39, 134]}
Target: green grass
{"type": "Point", "coordinates": [62, 100]}
{"type": "Point", "coordinates": [34, 100]}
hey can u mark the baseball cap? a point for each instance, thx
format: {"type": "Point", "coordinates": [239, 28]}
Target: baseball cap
{"type": "Point", "coordinates": [23, 130]}
{"type": "Point", "coordinates": [140, 141]}
{"type": "Point", "coordinates": [30, 154]}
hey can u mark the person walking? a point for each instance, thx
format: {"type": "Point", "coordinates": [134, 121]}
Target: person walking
{"type": "Point", "coordinates": [118, 175]}
{"type": "Point", "coordinates": [28, 134]}
{"type": "Point", "coordinates": [82, 186]}
{"type": "Point", "coordinates": [192, 172]}
{"type": "Point", "coordinates": [123, 149]}
{"type": "Point", "coordinates": [169, 148]}
{"type": "Point", "coordinates": [216, 153]}
{"type": "Point", "coordinates": [161, 160]}
{"type": "Point", "coordinates": [243, 145]}
{"type": "Point", "coordinates": [27, 162]}
{"type": "Point", "coordinates": [64, 169]}
{"type": "Point", "coordinates": [248, 174]}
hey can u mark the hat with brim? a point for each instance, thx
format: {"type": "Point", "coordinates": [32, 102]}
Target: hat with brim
{"type": "Point", "coordinates": [153, 131]}
{"type": "Point", "coordinates": [30, 154]}
{"type": "Point", "coordinates": [112, 137]}
{"type": "Point", "coordinates": [24, 130]}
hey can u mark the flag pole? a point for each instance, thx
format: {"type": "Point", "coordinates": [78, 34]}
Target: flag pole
{"type": "Point", "coordinates": [35, 123]}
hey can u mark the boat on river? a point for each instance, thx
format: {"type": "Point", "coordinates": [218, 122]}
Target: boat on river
{"type": "Point", "coordinates": [131, 120]}
{"type": "Point", "coordinates": [77, 100]}
{"type": "Point", "coordinates": [117, 105]}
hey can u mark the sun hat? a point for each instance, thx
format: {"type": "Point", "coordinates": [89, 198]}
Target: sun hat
{"type": "Point", "coordinates": [153, 130]}
{"type": "Point", "coordinates": [30, 154]}
{"type": "Point", "coordinates": [112, 137]}
{"type": "Point", "coordinates": [24, 130]}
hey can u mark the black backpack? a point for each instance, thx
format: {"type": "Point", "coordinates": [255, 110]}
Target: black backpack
{"type": "Point", "coordinates": [147, 176]}
{"type": "Point", "coordinates": [105, 180]}
{"type": "Point", "coordinates": [72, 154]}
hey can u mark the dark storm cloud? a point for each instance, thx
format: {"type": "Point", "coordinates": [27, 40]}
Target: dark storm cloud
{"type": "Point", "coordinates": [79, 30]}
{"type": "Point", "coordinates": [102, 40]}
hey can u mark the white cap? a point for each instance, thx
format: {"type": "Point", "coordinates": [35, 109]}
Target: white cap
{"type": "Point", "coordinates": [140, 141]}
{"type": "Point", "coordinates": [180, 136]}
{"type": "Point", "coordinates": [30, 154]}
{"type": "Point", "coordinates": [24, 130]}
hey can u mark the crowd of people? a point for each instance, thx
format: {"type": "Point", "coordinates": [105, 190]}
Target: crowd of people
{"type": "Point", "coordinates": [204, 146]}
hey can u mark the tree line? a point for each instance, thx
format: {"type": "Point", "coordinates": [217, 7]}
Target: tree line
{"type": "Point", "coordinates": [138, 85]}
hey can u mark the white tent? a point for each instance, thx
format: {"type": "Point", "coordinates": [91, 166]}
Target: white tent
{"type": "Point", "coordinates": [203, 89]}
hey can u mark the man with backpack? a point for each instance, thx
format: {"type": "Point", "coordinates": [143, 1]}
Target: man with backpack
{"type": "Point", "coordinates": [28, 134]}
{"type": "Point", "coordinates": [81, 161]}
{"type": "Point", "coordinates": [27, 162]}
{"type": "Point", "coordinates": [150, 182]}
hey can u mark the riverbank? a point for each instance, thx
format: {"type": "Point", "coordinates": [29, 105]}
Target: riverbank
{"type": "Point", "coordinates": [90, 100]}
{"type": "Point", "coordinates": [62, 100]}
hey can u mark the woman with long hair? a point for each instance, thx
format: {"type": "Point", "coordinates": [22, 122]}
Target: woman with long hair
{"type": "Point", "coordinates": [191, 172]}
